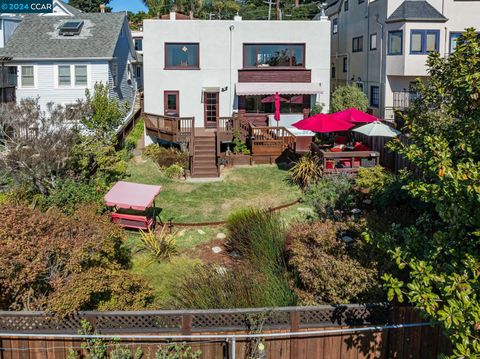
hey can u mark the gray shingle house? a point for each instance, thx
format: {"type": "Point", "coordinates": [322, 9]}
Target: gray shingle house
{"type": "Point", "coordinates": [59, 57]}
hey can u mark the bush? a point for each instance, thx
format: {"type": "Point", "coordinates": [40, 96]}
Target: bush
{"type": "Point", "coordinates": [134, 136]}
{"type": "Point", "coordinates": [373, 179]}
{"type": "Point", "coordinates": [160, 246]}
{"type": "Point", "coordinates": [330, 196]}
{"type": "Point", "coordinates": [211, 287]}
{"type": "Point", "coordinates": [173, 171]}
{"type": "Point", "coordinates": [64, 264]}
{"type": "Point", "coordinates": [239, 146]}
{"type": "Point", "coordinates": [348, 96]}
{"type": "Point", "coordinates": [306, 171]}
{"type": "Point", "coordinates": [330, 271]}
{"type": "Point", "coordinates": [166, 157]}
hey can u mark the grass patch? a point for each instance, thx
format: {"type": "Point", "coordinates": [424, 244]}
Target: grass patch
{"type": "Point", "coordinates": [256, 186]}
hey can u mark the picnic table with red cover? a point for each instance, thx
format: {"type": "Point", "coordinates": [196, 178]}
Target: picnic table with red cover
{"type": "Point", "coordinates": [138, 199]}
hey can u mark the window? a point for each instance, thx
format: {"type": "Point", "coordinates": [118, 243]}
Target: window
{"type": "Point", "coordinates": [273, 55]}
{"type": "Point", "coordinates": [345, 64]}
{"type": "Point", "coordinates": [424, 41]}
{"type": "Point", "coordinates": [139, 72]}
{"type": "Point", "coordinates": [357, 44]}
{"type": "Point", "coordinates": [345, 5]}
{"type": "Point", "coordinates": [266, 104]}
{"type": "Point", "coordinates": [454, 36]}
{"type": "Point", "coordinates": [64, 78]}
{"type": "Point", "coordinates": [374, 96]}
{"type": "Point", "coordinates": [138, 44]}
{"type": "Point", "coordinates": [373, 41]}
{"type": "Point", "coordinates": [115, 74]}
{"type": "Point", "coordinates": [28, 79]}
{"type": "Point", "coordinates": [360, 85]}
{"type": "Point", "coordinates": [360, 1]}
{"type": "Point", "coordinates": [71, 28]}
{"type": "Point", "coordinates": [81, 78]}
{"type": "Point", "coordinates": [395, 42]}
{"type": "Point", "coordinates": [334, 71]}
{"type": "Point", "coordinates": [182, 56]}
{"type": "Point", "coordinates": [335, 26]}
{"type": "Point", "coordinates": [171, 103]}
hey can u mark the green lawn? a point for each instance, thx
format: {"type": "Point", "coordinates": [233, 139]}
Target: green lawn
{"type": "Point", "coordinates": [258, 186]}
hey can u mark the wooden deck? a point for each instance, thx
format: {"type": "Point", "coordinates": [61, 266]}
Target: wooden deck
{"type": "Point", "coordinates": [347, 161]}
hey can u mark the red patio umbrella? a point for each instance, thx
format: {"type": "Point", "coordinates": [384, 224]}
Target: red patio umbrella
{"type": "Point", "coordinates": [276, 116]}
{"type": "Point", "coordinates": [323, 123]}
{"type": "Point", "coordinates": [353, 115]}
{"type": "Point", "coordinates": [296, 99]}
{"type": "Point", "coordinates": [271, 99]}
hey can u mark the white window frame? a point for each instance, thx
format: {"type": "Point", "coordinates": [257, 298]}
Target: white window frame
{"type": "Point", "coordinates": [57, 77]}
{"type": "Point", "coordinates": [20, 79]}
{"type": "Point", "coordinates": [86, 85]}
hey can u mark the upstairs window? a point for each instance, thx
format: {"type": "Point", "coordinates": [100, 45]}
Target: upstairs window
{"type": "Point", "coordinates": [345, 64]}
{"type": "Point", "coordinates": [115, 74]}
{"type": "Point", "coordinates": [424, 41]}
{"type": "Point", "coordinates": [273, 55]}
{"type": "Point", "coordinates": [64, 78]}
{"type": "Point", "coordinates": [345, 5]}
{"type": "Point", "coordinates": [28, 79]}
{"type": "Point", "coordinates": [138, 44]}
{"type": "Point", "coordinates": [357, 44]}
{"type": "Point", "coordinates": [374, 96]}
{"type": "Point", "coordinates": [335, 26]}
{"type": "Point", "coordinates": [454, 36]}
{"type": "Point", "coordinates": [182, 56]}
{"type": "Point", "coordinates": [373, 42]}
{"type": "Point", "coordinates": [81, 77]}
{"type": "Point", "coordinates": [395, 43]}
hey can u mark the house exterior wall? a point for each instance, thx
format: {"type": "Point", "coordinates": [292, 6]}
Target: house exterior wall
{"type": "Point", "coordinates": [46, 81]}
{"type": "Point", "coordinates": [124, 90]}
{"type": "Point", "coordinates": [221, 56]}
{"type": "Point", "coordinates": [391, 73]}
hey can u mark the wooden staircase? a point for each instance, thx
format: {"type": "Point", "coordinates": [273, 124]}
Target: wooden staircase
{"type": "Point", "coordinates": [204, 162]}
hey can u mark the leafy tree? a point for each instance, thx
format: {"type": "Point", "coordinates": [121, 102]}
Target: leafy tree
{"type": "Point", "coordinates": [36, 143]}
{"type": "Point", "coordinates": [89, 5]}
{"type": "Point", "coordinates": [136, 19]}
{"type": "Point", "coordinates": [348, 96]}
{"type": "Point", "coordinates": [63, 264]}
{"type": "Point", "coordinates": [94, 155]}
{"type": "Point", "coordinates": [441, 252]}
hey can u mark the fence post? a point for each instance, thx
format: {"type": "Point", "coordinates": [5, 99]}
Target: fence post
{"type": "Point", "coordinates": [187, 324]}
{"type": "Point", "coordinates": [294, 327]}
{"type": "Point", "coordinates": [233, 348]}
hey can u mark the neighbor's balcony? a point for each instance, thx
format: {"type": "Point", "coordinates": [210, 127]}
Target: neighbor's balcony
{"type": "Point", "coordinates": [404, 99]}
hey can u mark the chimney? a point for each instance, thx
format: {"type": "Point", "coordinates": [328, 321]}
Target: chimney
{"type": "Point", "coordinates": [102, 8]}
{"type": "Point", "coordinates": [173, 15]}
{"type": "Point", "coordinates": [237, 17]}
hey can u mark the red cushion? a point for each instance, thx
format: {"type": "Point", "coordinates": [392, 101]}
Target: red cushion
{"type": "Point", "coordinates": [335, 149]}
{"type": "Point", "coordinates": [330, 165]}
{"type": "Point", "coordinates": [361, 147]}
{"type": "Point", "coordinates": [341, 140]}
{"type": "Point", "coordinates": [346, 163]}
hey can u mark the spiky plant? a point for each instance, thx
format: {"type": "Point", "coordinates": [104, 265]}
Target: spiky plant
{"type": "Point", "coordinates": [161, 245]}
{"type": "Point", "coordinates": [306, 171]}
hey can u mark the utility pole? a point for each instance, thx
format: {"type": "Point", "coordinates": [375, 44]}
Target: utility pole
{"type": "Point", "coordinates": [270, 3]}
{"type": "Point", "coordinates": [278, 10]}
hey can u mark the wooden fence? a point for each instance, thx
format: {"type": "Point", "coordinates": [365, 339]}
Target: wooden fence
{"type": "Point", "coordinates": [422, 341]}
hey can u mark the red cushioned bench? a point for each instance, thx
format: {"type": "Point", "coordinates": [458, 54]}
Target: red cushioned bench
{"type": "Point", "coordinates": [132, 221]}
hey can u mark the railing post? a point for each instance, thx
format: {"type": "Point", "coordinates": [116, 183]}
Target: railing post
{"type": "Point", "coordinates": [187, 324]}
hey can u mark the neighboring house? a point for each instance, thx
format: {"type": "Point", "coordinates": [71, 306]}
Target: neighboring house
{"type": "Point", "coordinates": [234, 64]}
{"type": "Point", "coordinates": [383, 45]}
{"type": "Point", "coordinates": [59, 57]}
{"type": "Point", "coordinates": [212, 78]}
{"type": "Point", "coordinates": [137, 36]}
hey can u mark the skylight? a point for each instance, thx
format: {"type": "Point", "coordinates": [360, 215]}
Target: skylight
{"type": "Point", "coordinates": [71, 28]}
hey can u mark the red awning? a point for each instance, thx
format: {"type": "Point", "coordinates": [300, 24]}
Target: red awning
{"type": "Point", "coordinates": [130, 195]}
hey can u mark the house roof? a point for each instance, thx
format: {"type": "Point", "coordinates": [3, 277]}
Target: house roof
{"type": "Point", "coordinates": [416, 10]}
{"type": "Point", "coordinates": [37, 37]}
{"type": "Point", "coordinates": [72, 10]}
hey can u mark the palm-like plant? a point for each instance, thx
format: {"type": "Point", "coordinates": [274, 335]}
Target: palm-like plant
{"type": "Point", "coordinates": [161, 245]}
{"type": "Point", "coordinates": [306, 171]}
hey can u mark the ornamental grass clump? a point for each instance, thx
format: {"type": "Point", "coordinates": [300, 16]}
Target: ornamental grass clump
{"type": "Point", "coordinates": [160, 246]}
{"type": "Point", "coordinates": [306, 171]}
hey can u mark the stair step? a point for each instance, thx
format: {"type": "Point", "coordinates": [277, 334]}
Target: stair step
{"type": "Point", "coordinates": [204, 147]}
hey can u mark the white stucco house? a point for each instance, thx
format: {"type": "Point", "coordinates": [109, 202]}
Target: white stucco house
{"type": "Point", "coordinates": [211, 68]}
{"type": "Point", "coordinates": [382, 45]}
{"type": "Point", "coordinates": [56, 58]}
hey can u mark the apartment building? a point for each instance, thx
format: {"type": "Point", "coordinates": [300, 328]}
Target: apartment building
{"type": "Point", "coordinates": [382, 45]}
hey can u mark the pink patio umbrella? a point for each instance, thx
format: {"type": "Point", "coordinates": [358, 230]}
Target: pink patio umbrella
{"type": "Point", "coordinates": [296, 99]}
{"type": "Point", "coordinates": [271, 99]}
{"type": "Point", "coordinates": [354, 116]}
{"type": "Point", "coordinates": [276, 116]}
{"type": "Point", "coordinates": [323, 123]}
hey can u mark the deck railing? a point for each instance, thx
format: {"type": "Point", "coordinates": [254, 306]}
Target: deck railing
{"type": "Point", "coordinates": [270, 140]}
{"type": "Point", "coordinates": [347, 161]}
{"type": "Point", "coordinates": [174, 129]}
{"type": "Point", "coordinates": [403, 99]}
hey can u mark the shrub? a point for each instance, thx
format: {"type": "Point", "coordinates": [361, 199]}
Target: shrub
{"type": "Point", "coordinates": [330, 196]}
{"type": "Point", "coordinates": [177, 350]}
{"type": "Point", "coordinates": [173, 171]}
{"type": "Point", "coordinates": [134, 136]}
{"type": "Point", "coordinates": [240, 147]}
{"type": "Point", "coordinates": [348, 96]}
{"type": "Point", "coordinates": [330, 271]}
{"type": "Point", "coordinates": [166, 157]}
{"type": "Point", "coordinates": [63, 264]}
{"type": "Point", "coordinates": [209, 287]}
{"type": "Point", "coordinates": [160, 246]}
{"type": "Point", "coordinates": [373, 179]}
{"type": "Point", "coordinates": [306, 171]}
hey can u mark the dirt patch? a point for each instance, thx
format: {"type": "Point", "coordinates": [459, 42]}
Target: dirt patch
{"type": "Point", "coordinates": [205, 253]}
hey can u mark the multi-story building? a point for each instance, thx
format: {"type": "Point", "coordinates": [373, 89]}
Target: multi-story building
{"type": "Point", "coordinates": [382, 45]}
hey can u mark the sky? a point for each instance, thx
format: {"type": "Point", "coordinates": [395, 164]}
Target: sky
{"type": "Point", "coordinates": [130, 5]}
